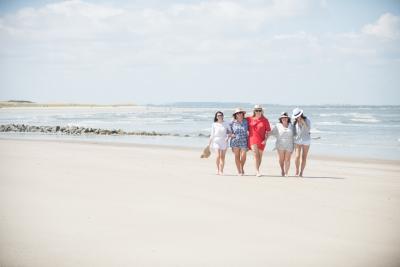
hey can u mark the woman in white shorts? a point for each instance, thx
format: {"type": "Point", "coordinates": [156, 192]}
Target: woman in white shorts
{"type": "Point", "coordinates": [219, 140]}
{"type": "Point", "coordinates": [283, 131]}
{"type": "Point", "coordinates": [302, 139]}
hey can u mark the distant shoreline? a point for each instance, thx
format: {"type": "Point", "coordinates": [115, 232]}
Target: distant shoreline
{"type": "Point", "coordinates": [205, 104]}
{"type": "Point", "coordinates": [29, 104]}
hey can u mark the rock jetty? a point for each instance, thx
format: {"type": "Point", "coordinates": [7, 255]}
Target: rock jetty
{"type": "Point", "coordinates": [72, 130]}
{"type": "Point", "coordinates": [75, 130]}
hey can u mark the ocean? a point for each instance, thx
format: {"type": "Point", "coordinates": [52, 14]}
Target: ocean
{"type": "Point", "coordinates": [337, 130]}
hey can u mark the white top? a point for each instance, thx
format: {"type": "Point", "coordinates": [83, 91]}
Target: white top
{"type": "Point", "coordinates": [284, 137]}
{"type": "Point", "coordinates": [219, 135]}
{"type": "Point", "coordinates": [302, 134]}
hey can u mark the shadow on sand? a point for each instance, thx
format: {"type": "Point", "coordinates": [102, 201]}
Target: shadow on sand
{"type": "Point", "coordinates": [321, 177]}
{"type": "Point", "coordinates": [288, 177]}
{"type": "Point", "coordinates": [304, 177]}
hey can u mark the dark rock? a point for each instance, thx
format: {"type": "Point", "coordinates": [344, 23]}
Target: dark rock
{"type": "Point", "coordinates": [75, 130]}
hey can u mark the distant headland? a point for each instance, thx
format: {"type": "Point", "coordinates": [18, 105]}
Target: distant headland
{"type": "Point", "coordinates": [25, 103]}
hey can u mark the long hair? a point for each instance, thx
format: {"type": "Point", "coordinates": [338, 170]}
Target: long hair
{"type": "Point", "coordinates": [215, 116]}
{"type": "Point", "coordinates": [262, 114]}
{"type": "Point", "coordinates": [304, 118]}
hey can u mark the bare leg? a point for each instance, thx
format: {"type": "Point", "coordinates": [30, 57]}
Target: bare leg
{"type": "Point", "coordinates": [242, 159]}
{"type": "Point", "coordinates": [281, 155]}
{"type": "Point", "coordinates": [297, 159]}
{"type": "Point", "coordinates": [287, 162]}
{"type": "Point", "coordinates": [217, 160]}
{"type": "Point", "coordinates": [222, 162]}
{"type": "Point", "coordinates": [236, 151]}
{"type": "Point", "coordinates": [257, 158]}
{"type": "Point", "coordinates": [304, 158]}
{"type": "Point", "coordinates": [259, 163]}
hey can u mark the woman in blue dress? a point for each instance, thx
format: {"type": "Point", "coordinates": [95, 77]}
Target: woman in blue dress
{"type": "Point", "coordinates": [239, 139]}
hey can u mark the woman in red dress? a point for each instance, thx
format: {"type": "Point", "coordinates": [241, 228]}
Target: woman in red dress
{"type": "Point", "coordinates": [258, 133]}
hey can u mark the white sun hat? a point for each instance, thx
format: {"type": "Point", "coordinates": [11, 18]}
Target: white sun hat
{"type": "Point", "coordinates": [297, 113]}
{"type": "Point", "coordinates": [283, 115]}
{"type": "Point", "coordinates": [258, 107]}
{"type": "Point", "coordinates": [238, 110]}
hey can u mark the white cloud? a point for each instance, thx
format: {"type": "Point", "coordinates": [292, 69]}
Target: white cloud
{"type": "Point", "coordinates": [290, 7]}
{"type": "Point", "coordinates": [197, 45]}
{"type": "Point", "coordinates": [84, 33]}
{"type": "Point", "coordinates": [387, 26]}
{"type": "Point", "coordinates": [208, 16]}
{"type": "Point", "coordinates": [77, 34]}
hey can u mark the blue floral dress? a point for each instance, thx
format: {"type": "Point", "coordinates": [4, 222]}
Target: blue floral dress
{"type": "Point", "coordinates": [241, 136]}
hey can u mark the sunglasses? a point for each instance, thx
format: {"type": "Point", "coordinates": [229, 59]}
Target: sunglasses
{"type": "Point", "coordinates": [258, 110]}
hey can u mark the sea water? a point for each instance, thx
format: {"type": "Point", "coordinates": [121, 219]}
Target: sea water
{"type": "Point", "coordinates": [338, 130]}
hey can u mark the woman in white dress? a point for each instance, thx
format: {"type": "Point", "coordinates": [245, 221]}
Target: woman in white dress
{"type": "Point", "coordinates": [219, 140]}
{"type": "Point", "coordinates": [283, 131]}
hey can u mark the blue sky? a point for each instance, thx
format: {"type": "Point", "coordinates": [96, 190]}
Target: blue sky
{"type": "Point", "coordinates": [279, 52]}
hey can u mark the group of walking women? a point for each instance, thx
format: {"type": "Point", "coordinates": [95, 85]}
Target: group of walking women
{"type": "Point", "coordinates": [251, 132]}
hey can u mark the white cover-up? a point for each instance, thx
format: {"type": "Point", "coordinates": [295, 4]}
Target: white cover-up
{"type": "Point", "coordinates": [219, 135]}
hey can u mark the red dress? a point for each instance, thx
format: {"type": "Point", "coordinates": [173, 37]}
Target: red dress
{"type": "Point", "coordinates": [257, 130]}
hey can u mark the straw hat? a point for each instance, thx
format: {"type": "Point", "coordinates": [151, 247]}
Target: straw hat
{"type": "Point", "coordinates": [206, 152]}
{"type": "Point", "coordinates": [283, 115]}
{"type": "Point", "coordinates": [238, 110]}
{"type": "Point", "coordinates": [297, 113]}
{"type": "Point", "coordinates": [258, 107]}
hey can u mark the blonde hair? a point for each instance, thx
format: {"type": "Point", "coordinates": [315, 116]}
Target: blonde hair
{"type": "Point", "coordinates": [262, 113]}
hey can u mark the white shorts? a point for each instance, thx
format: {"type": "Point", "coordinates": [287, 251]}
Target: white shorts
{"type": "Point", "coordinates": [304, 143]}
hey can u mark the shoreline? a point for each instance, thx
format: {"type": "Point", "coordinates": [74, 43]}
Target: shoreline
{"type": "Point", "coordinates": [30, 104]}
{"type": "Point", "coordinates": [319, 157]}
{"type": "Point", "coordinates": [68, 106]}
{"type": "Point", "coordinates": [336, 135]}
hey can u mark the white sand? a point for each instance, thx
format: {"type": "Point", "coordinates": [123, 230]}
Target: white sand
{"type": "Point", "coordinates": [85, 204]}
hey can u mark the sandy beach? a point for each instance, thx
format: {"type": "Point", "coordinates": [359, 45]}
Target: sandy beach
{"type": "Point", "coordinates": [66, 203]}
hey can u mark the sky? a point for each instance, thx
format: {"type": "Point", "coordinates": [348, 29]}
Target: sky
{"type": "Point", "coordinates": [295, 52]}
